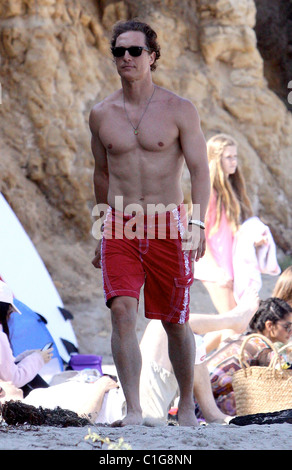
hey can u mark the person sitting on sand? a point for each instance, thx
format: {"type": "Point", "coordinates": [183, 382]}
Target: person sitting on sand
{"type": "Point", "coordinates": [23, 369]}
{"type": "Point", "coordinates": [273, 319]}
{"type": "Point", "coordinates": [80, 397]}
{"type": "Point", "coordinates": [158, 386]}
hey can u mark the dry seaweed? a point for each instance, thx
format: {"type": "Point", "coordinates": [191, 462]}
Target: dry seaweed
{"type": "Point", "coordinates": [16, 412]}
{"type": "Point", "coordinates": [283, 416]}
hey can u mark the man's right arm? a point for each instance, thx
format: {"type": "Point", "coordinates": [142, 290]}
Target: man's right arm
{"type": "Point", "coordinates": [100, 176]}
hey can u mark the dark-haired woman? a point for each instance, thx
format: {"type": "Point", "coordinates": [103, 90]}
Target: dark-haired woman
{"type": "Point", "coordinates": [273, 320]}
{"type": "Point", "coordinates": [26, 369]}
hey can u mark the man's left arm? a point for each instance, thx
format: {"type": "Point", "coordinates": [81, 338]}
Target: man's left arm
{"type": "Point", "coordinates": [195, 152]}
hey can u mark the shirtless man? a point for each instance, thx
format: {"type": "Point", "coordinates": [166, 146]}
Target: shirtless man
{"type": "Point", "coordinates": [141, 136]}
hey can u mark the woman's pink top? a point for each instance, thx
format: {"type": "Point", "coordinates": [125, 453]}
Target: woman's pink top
{"type": "Point", "coordinates": [219, 247]}
{"type": "Point", "coordinates": [23, 372]}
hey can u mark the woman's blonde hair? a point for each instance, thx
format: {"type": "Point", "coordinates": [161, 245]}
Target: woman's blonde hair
{"type": "Point", "coordinates": [231, 191]}
{"type": "Point", "coordinates": [283, 287]}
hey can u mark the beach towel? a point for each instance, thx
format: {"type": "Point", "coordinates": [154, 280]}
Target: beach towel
{"type": "Point", "coordinates": [249, 262]}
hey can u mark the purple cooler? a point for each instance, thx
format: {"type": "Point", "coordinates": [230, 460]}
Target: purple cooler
{"type": "Point", "coordinates": [85, 361]}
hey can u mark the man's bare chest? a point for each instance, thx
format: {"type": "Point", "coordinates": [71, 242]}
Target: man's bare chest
{"type": "Point", "coordinates": [121, 133]}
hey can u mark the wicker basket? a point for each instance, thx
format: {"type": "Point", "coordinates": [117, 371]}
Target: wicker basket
{"type": "Point", "coordinates": [262, 389]}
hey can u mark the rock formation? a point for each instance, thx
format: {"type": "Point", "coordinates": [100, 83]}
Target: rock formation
{"type": "Point", "coordinates": [274, 34]}
{"type": "Point", "coordinates": [55, 64]}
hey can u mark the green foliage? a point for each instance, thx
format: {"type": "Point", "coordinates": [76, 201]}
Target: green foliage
{"type": "Point", "coordinates": [286, 262]}
{"type": "Point", "coordinates": [111, 445]}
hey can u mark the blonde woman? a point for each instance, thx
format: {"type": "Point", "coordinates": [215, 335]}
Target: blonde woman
{"type": "Point", "coordinates": [229, 207]}
{"type": "Point", "coordinates": [283, 287]}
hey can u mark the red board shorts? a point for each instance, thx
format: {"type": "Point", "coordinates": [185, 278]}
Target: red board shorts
{"type": "Point", "coordinates": [133, 254]}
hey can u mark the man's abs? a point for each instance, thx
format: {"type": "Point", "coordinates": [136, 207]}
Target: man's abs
{"type": "Point", "coordinates": [148, 178]}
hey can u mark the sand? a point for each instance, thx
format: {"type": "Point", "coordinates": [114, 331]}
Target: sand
{"type": "Point", "coordinates": [171, 438]}
{"type": "Point", "coordinates": [92, 326]}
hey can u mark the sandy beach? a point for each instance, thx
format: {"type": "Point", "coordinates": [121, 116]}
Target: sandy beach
{"type": "Point", "coordinates": [162, 438]}
{"type": "Point", "coordinates": [92, 325]}
{"type": "Point", "coordinates": [232, 60]}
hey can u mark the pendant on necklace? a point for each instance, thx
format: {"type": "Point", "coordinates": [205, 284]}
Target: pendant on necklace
{"type": "Point", "coordinates": [136, 131]}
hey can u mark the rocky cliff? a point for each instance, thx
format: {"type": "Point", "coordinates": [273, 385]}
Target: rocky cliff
{"type": "Point", "coordinates": [55, 64]}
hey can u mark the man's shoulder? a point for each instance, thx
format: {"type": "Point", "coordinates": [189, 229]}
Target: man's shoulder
{"type": "Point", "coordinates": [177, 102]}
{"type": "Point", "coordinates": [106, 103]}
{"type": "Point", "coordinates": [99, 110]}
{"type": "Point", "coordinates": [168, 95]}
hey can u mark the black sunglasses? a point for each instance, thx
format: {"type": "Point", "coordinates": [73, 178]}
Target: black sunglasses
{"type": "Point", "coordinates": [134, 51]}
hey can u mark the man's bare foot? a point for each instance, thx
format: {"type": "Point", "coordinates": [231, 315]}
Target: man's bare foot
{"type": "Point", "coordinates": [245, 310]}
{"type": "Point", "coordinates": [131, 419]}
{"type": "Point", "coordinates": [187, 417]}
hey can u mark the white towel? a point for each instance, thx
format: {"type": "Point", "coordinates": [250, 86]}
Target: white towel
{"type": "Point", "coordinates": [250, 262]}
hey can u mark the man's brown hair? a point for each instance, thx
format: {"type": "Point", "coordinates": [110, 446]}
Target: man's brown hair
{"type": "Point", "coordinates": [136, 25]}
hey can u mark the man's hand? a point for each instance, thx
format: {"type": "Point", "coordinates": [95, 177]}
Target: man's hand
{"type": "Point", "coordinates": [201, 250]}
{"type": "Point", "coordinates": [97, 259]}
{"type": "Point", "coordinates": [194, 240]}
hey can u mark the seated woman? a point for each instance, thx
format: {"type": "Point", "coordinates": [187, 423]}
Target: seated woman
{"type": "Point", "coordinates": [22, 372]}
{"type": "Point", "coordinates": [273, 319]}
{"type": "Point", "coordinates": [78, 396]}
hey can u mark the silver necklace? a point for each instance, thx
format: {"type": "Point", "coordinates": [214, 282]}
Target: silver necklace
{"type": "Point", "coordinates": [136, 132]}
